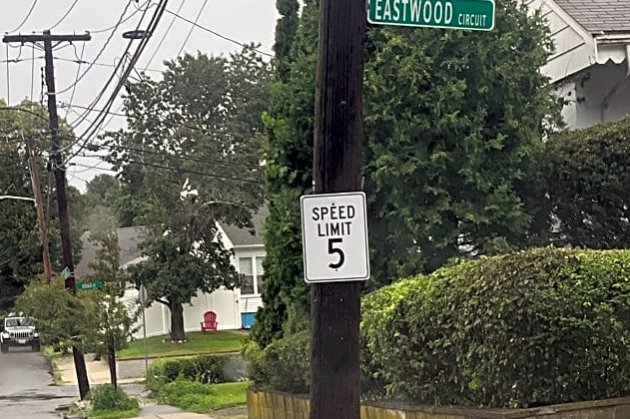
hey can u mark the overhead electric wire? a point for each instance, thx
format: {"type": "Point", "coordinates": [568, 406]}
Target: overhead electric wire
{"type": "Point", "coordinates": [179, 170]}
{"type": "Point", "coordinates": [8, 78]}
{"type": "Point", "coordinates": [192, 27]}
{"type": "Point", "coordinates": [95, 126]}
{"type": "Point", "coordinates": [97, 64]}
{"type": "Point", "coordinates": [111, 78]}
{"type": "Point", "coordinates": [65, 15]}
{"type": "Point", "coordinates": [32, 73]}
{"type": "Point", "coordinates": [166, 32]}
{"type": "Point", "coordinates": [226, 38]}
{"type": "Point", "coordinates": [75, 84]}
{"type": "Point", "coordinates": [118, 24]}
{"type": "Point", "coordinates": [107, 41]}
{"type": "Point", "coordinates": [26, 17]}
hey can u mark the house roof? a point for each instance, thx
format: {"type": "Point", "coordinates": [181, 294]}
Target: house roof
{"type": "Point", "coordinates": [247, 236]}
{"type": "Point", "coordinates": [597, 16]}
{"type": "Point", "coordinates": [128, 240]}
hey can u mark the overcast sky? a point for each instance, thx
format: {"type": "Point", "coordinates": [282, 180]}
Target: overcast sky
{"type": "Point", "coordinates": [242, 20]}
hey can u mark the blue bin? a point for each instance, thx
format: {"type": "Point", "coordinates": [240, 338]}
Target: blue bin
{"type": "Point", "coordinates": [248, 320]}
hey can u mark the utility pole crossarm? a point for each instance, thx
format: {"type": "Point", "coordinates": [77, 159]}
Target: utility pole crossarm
{"type": "Point", "coordinates": [41, 38]}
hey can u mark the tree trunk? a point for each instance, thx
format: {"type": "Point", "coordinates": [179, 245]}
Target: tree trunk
{"type": "Point", "coordinates": [111, 360]}
{"type": "Point", "coordinates": [177, 322]}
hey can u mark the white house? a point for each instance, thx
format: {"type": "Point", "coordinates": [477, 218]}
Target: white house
{"type": "Point", "coordinates": [235, 309]}
{"type": "Point", "coordinates": [590, 65]}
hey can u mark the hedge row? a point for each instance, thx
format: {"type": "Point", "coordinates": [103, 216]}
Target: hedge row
{"type": "Point", "coordinates": [205, 369]}
{"type": "Point", "coordinates": [533, 328]}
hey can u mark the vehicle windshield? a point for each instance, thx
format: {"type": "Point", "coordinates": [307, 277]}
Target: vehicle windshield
{"type": "Point", "coordinates": [17, 322]}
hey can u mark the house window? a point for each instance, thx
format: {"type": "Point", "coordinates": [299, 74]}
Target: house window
{"type": "Point", "coordinates": [252, 273]}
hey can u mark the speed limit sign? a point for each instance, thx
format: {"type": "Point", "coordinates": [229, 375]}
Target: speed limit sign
{"type": "Point", "coordinates": [335, 237]}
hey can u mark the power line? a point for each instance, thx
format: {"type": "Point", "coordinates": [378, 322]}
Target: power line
{"type": "Point", "coordinates": [65, 15]}
{"type": "Point", "coordinates": [74, 88]}
{"type": "Point", "coordinates": [234, 41]}
{"type": "Point", "coordinates": [118, 23]}
{"type": "Point", "coordinates": [26, 17]}
{"type": "Point", "coordinates": [93, 128]}
{"type": "Point", "coordinates": [203, 6]}
{"type": "Point", "coordinates": [166, 32]}
{"type": "Point", "coordinates": [98, 64]}
{"type": "Point", "coordinates": [107, 41]}
{"type": "Point", "coordinates": [178, 170]}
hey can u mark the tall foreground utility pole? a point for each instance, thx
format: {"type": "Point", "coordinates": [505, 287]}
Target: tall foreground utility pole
{"type": "Point", "coordinates": [39, 206]}
{"type": "Point", "coordinates": [335, 307]}
{"type": "Point", "coordinates": [60, 174]}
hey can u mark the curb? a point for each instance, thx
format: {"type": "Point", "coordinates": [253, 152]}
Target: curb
{"type": "Point", "coordinates": [186, 355]}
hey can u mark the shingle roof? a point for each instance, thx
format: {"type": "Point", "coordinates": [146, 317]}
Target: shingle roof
{"type": "Point", "coordinates": [599, 15]}
{"type": "Point", "coordinates": [244, 236]}
{"type": "Point", "coordinates": [128, 240]}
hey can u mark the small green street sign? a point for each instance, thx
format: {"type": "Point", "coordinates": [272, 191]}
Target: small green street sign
{"type": "Point", "coordinates": [449, 14]}
{"type": "Point", "coordinates": [94, 285]}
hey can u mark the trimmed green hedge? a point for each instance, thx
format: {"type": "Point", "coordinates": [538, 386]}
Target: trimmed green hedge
{"type": "Point", "coordinates": [205, 369]}
{"type": "Point", "coordinates": [533, 328]}
{"type": "Point", "coordinates": [284, 365]}
{"type": "Point", "coordinates": [527, 329]}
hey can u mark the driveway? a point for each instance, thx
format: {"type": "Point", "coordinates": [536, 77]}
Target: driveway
{"type": "Point", "coordinates": [26, 390]}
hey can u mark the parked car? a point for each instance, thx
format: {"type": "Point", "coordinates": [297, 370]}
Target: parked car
{"type": "Point", "coordinates": [18, 331]}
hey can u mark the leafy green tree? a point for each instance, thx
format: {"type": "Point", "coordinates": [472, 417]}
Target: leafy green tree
{"type": "Point", "coordinates": [286, 28]}
{"type": "Point", "coordinates": [21, 252]}
{"type": "Point", "coordinates": [191, 158]}
{"type": "Point", "coordinates": [288, 155]}
{"type": "Point", "coordinates": [453, 128]}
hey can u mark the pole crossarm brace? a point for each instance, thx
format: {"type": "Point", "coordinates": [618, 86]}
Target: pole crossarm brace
{"type": "Point", "coordinates": [44, 36]}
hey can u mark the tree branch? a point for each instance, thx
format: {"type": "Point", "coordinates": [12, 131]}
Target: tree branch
{"type": "Point", "coordinates": [161, 301]}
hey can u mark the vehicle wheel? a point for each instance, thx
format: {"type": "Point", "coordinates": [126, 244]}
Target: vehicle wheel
{"type": "Point", "coordinates": [35, 347]}
{"type": "Point", "coordinates": [4, 348]}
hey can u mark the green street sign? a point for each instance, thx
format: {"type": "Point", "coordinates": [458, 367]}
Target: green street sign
{"type": "Point", "coordinates": [94, 285]}
{"type": "Point", "coordinates": [475, 15]}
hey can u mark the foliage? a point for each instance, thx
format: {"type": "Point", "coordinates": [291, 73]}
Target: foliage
{"type": "Point", "coordinates": [21, 253]}
{"type": "Point", "coordinates": [107, 398]}
{"type": "Point", "coordinates": [203, 369]}
{"type": "Point", "coordinates": [285, 34]}
{"type": "Point", "coordinates": [201, 398]}
{"type": "Point", "coordinates": [453, 127]}
{"type": "Point", "coordinates": [54, 310]}
{"type": "Point", "coordinates": [587, 178]}
{"type": "Point", "coordinates": [532, 328]}
{"type": "Point", "coordinates": [288, 153]}
{"type": "Point", "coordinates": [284, 365]}
{"type": "Point", "coordinates": [197, 343]}
{"type": "Point", "coordinates": [190, 159]}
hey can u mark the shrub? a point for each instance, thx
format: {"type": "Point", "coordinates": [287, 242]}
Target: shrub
{"type": "Point", "coordinates": [205, 369]}
{"type": "Point", "coordinates": [587, 176]}
{"type": "Point", "coordinates": [526, 329]}
{"type": "Point", "coordinates": [107, 398]}
{"type": "Point", "coordinates": [284, 365]}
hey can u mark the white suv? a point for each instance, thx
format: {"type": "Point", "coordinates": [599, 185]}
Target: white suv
{"type": "Point", "coordinates": [18, 331]}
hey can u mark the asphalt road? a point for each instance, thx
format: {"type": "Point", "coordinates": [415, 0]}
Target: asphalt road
{"type": "Point", "coordinates": [26, 390]}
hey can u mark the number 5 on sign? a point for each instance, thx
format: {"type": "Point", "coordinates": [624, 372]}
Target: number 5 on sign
{"type": "Point", "coordinates": [335, 237]}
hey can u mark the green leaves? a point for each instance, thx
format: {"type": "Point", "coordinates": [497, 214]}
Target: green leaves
{"type": "Point", "coordinates": [532, 328]}
{"type": "Point", "coordinates": [586, 174]}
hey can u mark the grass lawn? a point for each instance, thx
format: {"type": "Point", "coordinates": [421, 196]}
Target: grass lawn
{"type": "Point", "coordinates": [202, 398]}
{"type": "Point", "coordinates": [221, 341]}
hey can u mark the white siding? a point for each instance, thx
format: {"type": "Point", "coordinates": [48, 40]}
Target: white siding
{"type": "Point", "coordinates": [574, 48]}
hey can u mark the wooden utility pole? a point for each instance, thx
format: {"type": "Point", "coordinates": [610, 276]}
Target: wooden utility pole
{"type": "Point", "coordinates": [335, 307]}
{"type": "Point", "coordinates": [59, 173]}
{"type": "Point", "coordinates": [39, 204]}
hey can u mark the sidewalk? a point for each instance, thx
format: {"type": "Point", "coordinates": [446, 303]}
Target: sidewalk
{"type": "Point", "coordinates": [177, 416]}
{"type": "Point", "coordinates": [98, 372]}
